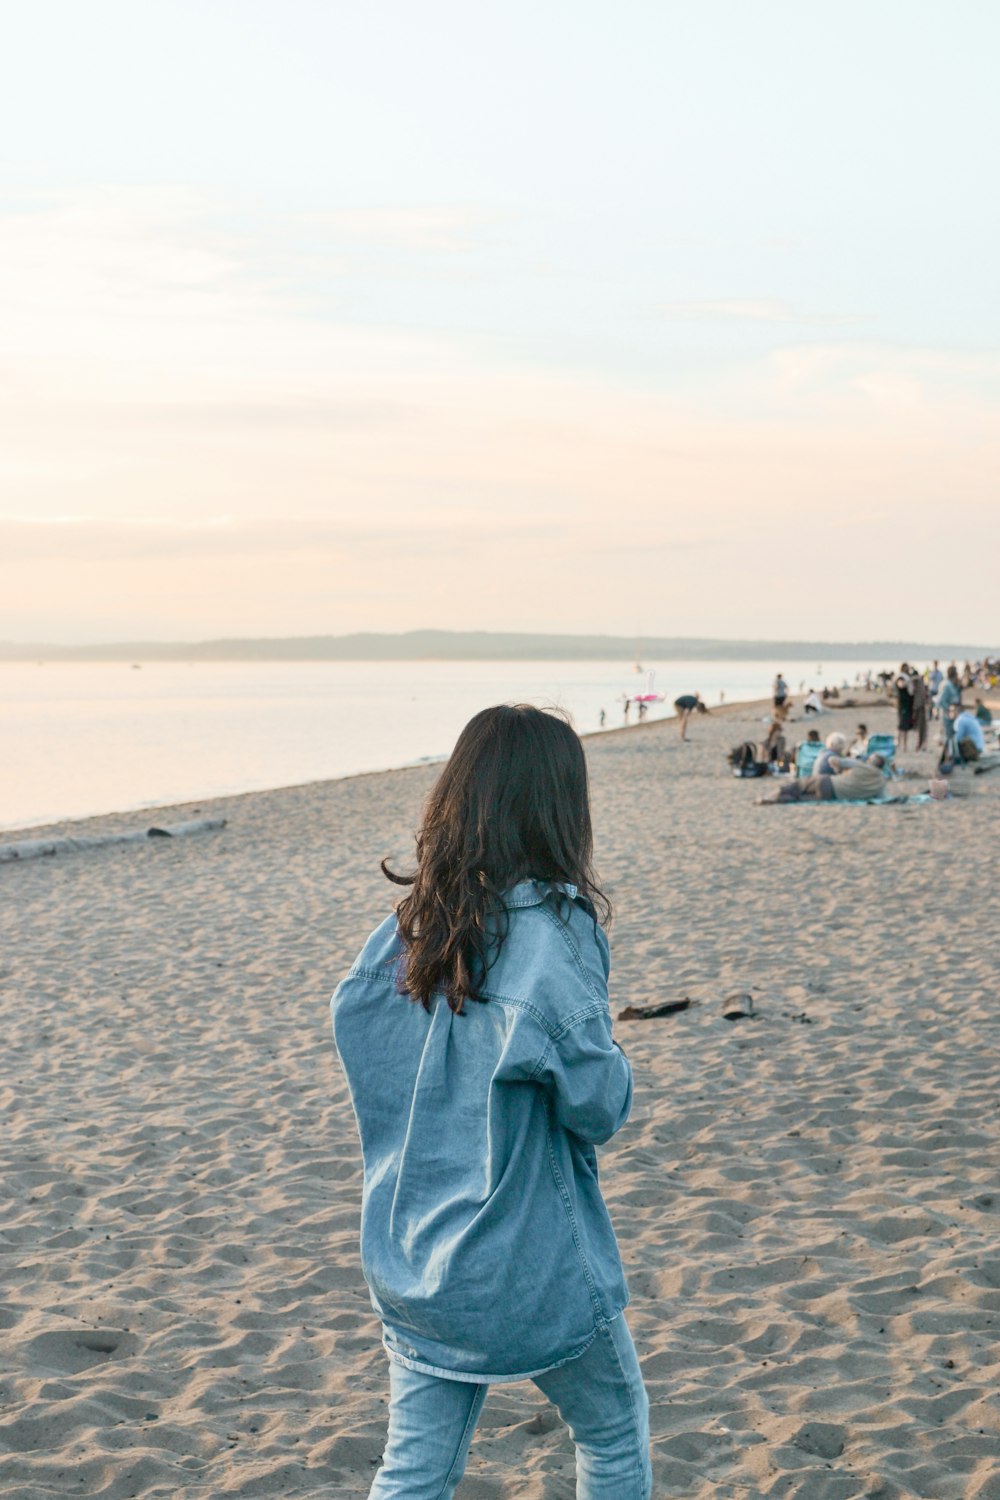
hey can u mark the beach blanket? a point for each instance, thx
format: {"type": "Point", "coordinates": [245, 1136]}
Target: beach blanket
{"type": "Point", "coordinates": [892, 801]}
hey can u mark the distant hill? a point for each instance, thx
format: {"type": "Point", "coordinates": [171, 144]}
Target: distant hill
{"type": "Point", "coordinates": [488, 645]}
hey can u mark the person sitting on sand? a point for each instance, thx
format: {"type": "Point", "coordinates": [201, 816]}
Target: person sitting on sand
{"type": "Point", "coordinates": [812, 738]}
{"type": "Point", "coordinates": [686, 705]}
{"type": "Point", "coordinates": [970, 742]}
{"type": "Point", "coordinates": [774, 750]}
{"type": "Point", "coordinates": [860, 745]}
{"type": "Point", "coordinates": [859, 780]}
{"type": "Point", "coordinates": [983, 714]}
{"type": "Point", "coordinates": [835, 749]}
{"type": "Point", "coordinates": [848, 781]}
{"type": "Point", "coordinates": [813, 703]}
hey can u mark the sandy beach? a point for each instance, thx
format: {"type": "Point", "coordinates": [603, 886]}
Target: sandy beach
{"type": "Point", "coordinates": [808, 1201]}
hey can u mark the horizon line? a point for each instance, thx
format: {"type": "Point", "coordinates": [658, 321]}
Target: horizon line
{"type": "Point", "coordinates": [472, 644]}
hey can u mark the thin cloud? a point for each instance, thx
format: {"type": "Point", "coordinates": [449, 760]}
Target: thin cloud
{"type": "Point", "coordinates": [449, 231]}
{"type": "Point", "coordinates": [888, 377]}
{"type": "Point", "coordinates": [749, 310]}
{"type": "Point", "coordinates": [277, 416]}
{"type": "Point", "coordinates": [742, 310]}
{"type": "Point", "coordinates": [85, 539]}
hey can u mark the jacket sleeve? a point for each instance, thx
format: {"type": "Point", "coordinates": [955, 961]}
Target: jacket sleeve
{"type": "Point", "coordinates": [588, 1079]}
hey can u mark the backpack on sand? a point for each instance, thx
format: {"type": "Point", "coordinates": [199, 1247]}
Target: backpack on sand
{"type": "Point", "coordinates": [743, 759]}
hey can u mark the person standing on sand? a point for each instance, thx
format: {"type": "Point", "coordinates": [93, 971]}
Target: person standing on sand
{"type": "Point", "coordinates": [918, 690]}
{"type": "Point", "coordinates": [475, 1033]}
{"type": "Point", "coordinates": [949, 698]}
{"type": "Point", "coordinates": [904, 705]}
{"type": "Point", "coordinates": [951, 691]}
{"type": "Point", "coordinates": [686, 705]}
{"type": "Point", "coordinates": [780, 691]}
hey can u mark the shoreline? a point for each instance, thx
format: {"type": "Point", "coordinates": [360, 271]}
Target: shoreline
{"type": "Point", "coordinates": [210, 803]}
{"type": "Point", "coordinates": [215, 805]}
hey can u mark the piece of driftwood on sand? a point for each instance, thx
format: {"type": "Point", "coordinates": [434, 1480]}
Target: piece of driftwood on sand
{"type": "Point", "coordinates": [66, 844]}
{"type": "Point", "coordinates": [647, 1012]}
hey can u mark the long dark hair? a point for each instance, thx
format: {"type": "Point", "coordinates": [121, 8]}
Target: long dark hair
{"type": "Point", "coordinates": [512, 803]}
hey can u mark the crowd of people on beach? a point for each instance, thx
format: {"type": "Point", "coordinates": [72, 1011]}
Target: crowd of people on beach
{"type": "Point", "coordinates": [834, 770]}
{"type": "Point", "coordinates": [920, 695]}
{"type": "Point", "coordinates": [934, 693]}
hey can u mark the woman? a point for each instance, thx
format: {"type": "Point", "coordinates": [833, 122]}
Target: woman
{"type": "Point", "coordinates": [904, 705]}
{"type": "Point", "coordinates": [949, 698]}
{"type": "Point", "coordinates": [684, 707]}
{"type": "Point", "coordinates": [828, 760]}
{"type": "Point", "coordinates": [475, 1033]}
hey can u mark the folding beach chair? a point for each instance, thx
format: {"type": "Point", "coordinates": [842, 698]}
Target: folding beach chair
{"type": "Point", "coordinates": [884, 745]}
{"type": "Point", "coordinates": [805, 757]}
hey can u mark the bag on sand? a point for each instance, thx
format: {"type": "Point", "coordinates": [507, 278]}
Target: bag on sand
{"type": "Point", "coordinates": [743, 759]}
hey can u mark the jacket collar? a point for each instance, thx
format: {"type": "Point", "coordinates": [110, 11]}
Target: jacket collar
{"type": "Point", "coordinates": [534, 892]}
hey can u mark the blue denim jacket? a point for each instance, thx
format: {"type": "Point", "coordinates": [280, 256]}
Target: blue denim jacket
{"type": "Point", "coordinates": [485, 1240]}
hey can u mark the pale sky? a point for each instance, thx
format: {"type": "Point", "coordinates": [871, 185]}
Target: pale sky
{"type": "Point", "coordinates": [668, 317]}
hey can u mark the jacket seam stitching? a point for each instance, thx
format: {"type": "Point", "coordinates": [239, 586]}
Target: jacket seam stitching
{"type": "Point", "coordinates": [563, 1192]}
{"type": "Point", "coordinates": [574, 950]}
{"type": "Point", "coordinates": [554, 1031]}
{"type": "Point", "coordinates": [524, 1005]}
{"type": "Point", "coordinates": [536, 1070]}
{"type": "Point", "coordinates": [586, 1013]}
{"type": "Point", "coordinates": [359, 972]}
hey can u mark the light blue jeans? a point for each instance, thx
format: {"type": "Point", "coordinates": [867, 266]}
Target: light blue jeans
{"type": "Point", "coordinates": [599, 1395]}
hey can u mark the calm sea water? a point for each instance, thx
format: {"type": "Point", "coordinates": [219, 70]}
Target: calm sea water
{"type": "Point", "coordinates": [86, 738]}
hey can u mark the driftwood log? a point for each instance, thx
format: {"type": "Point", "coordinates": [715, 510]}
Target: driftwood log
{"type": "Point", "coordinates": [69, 844]}
{"type": "Point", "coordinates": [646, 1012]}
